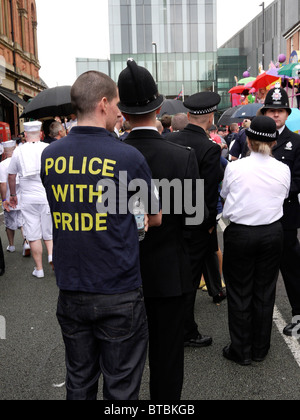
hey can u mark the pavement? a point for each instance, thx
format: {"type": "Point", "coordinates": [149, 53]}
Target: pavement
{"type": "Point", "coordinates": [32, 363]}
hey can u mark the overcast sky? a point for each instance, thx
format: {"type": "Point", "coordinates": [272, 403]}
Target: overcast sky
{"type": "Point", "coordinates": [74, 28]}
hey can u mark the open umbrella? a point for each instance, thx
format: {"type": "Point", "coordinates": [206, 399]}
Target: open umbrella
{"type": "Point", "coordinates": [287, 70]}
{"type": "Point", "coordinates": [237, 89]}
{"type": "Point", "coordinates": [293, 122]}
{"type": "Point", "coordinates": [172, 107]}
{"type": "Point", "coordinates": [50, 103]}
{"type": "Point", "coordinates": [246, 80]}
{"type": "Point", "coordinates": [226, 117]}
{"type": "Point", "coordinates": [264, 80]}
{"type": "Point", "coordinates": [247, 111]}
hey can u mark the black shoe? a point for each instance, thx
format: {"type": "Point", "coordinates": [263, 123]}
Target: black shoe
{"type": "Point", "coordinates": [292, 329]}
{"type": "Point", "coordinates": [199, 341]}
{"type": "Point", "coordinates": [229, 355]}
{"type": "Point", "coordinates": [220, 297]}
{"type": "Point", "coordinates": [2, 271]}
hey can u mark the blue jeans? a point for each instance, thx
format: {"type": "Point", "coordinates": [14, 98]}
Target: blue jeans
{"type": "Point", "coordinates": [103, 334]}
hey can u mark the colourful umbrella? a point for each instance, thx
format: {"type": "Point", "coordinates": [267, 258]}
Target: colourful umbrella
{"type": "Point", "coordinates": [264, 80]}
{"type": "Point", "coordinates": [237, 89]}
{"type": "Point", "coordinates": [287, 70]}
{"type": "Point", "coordinates": [246, 80]}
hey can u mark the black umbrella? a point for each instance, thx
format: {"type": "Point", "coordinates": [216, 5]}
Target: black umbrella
{"type": "Point", "coordinates": [226, 117]}
{"type": "Point", "coordinates": [172, 107]}
{"type": "Point", "coordinates": [247, 111]}
{"type": "Point", "coordinates": [50, 103]}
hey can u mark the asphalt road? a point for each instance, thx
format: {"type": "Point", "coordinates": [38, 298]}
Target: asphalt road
{"type": "Point", "coordinates": [32, 355]}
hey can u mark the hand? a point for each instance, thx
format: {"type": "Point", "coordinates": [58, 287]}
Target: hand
{"type": "Point", "coordinates": [13, 202]}
{"type": "Point", "coordinates": [146, 222]}
{"type": "Point", "coordinates": [6, 206]}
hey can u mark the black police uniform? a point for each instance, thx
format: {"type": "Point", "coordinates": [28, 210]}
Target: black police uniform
{"type": "Point", "coordinates": [164, 255]}
{"type": "Point", "coordinates": [208, 157]}
{"type": "Point", "coordinates": [287, 151]}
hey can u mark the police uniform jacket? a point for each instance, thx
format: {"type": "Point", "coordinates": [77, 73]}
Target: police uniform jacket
{"type": "Point", "coordinates": [164, 255]}
{"type": "Point", "coordinates": [287, 151]}
{"type": "Point", "coordinates": [208, 156]}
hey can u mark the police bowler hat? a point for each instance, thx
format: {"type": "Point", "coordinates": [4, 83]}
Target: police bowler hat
{"type": "Point", "coordinates": [138, 90]}
{"type": "Point", "coordinates": [276, 99]}
{"type": "Point", "coordinates": [263, 129]}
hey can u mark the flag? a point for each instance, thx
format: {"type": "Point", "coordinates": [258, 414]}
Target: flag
{"type": "Point", "coordinates": [181, 94]}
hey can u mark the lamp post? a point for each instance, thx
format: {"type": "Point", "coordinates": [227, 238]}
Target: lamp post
{"type": "Point", "coordinates": [156, 63]}
{"type": "Point", "coordinates": [263, 34]}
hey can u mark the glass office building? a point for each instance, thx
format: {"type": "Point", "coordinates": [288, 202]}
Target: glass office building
{"type": "Point", "coordinates": [176, 40]}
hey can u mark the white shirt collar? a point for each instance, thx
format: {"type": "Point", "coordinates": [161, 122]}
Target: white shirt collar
{"type": "Point", "coordinates": [144, 128]}
{"type": "Point", "coordinates": [281, 129]}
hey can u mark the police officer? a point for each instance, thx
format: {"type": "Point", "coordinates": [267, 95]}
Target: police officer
{"type": "Point", "coordinates": [202, 107]}
{"type": "Point", "coordinates": [255, 189]}
{"type": "Point", "coordinates": [164, 255]}
{"type": "Point", "coordinates": [287, 151]}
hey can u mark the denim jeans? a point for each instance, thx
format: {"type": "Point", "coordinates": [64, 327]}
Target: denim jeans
{"type": "Point", "coordinates": [105, 334]}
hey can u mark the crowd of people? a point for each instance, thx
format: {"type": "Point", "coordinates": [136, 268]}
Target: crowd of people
{"type": "Point", "coordinates": [120, 296]}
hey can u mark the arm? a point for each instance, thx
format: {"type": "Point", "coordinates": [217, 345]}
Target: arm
{"type": "Point", "coordinates": [12, 186]}
{"type": "Point", "coordinates": [211, 172]}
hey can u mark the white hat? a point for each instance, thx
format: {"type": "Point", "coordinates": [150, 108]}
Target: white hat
{"type": "Point", "coordinates": [32, 126]}
{"type": "Point", "coordinates": [9, 144]}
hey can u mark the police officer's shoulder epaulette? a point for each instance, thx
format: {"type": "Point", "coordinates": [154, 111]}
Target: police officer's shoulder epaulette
{"type": "Point", "coordinates": [179, 145]}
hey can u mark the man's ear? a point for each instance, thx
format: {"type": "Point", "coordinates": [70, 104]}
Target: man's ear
{"type": "Point", "coordinates": [102, 105]}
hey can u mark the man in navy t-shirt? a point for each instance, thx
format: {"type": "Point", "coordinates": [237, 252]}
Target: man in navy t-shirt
{"type": "Point", "coordinates": [88, 177]}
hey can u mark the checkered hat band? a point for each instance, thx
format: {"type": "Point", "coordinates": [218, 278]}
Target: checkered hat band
{"type": "Point", "coordinates": [257, 133]}
{"type": "Point", "coordinates": [204, 111]}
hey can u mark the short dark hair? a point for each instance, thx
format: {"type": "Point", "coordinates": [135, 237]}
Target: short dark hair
{"type": "Point", "coordinates": [89, 89]}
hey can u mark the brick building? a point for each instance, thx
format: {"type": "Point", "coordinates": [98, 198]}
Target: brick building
{"type": "Point", "coordinates": [19, 64]}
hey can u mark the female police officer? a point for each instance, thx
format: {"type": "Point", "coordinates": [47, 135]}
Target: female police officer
{"type": "Point", "coordinates": [255, 189]}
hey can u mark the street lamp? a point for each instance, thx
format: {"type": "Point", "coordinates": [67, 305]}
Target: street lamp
{"type": "Point", "coordinates": [263, 34]}
{"type": "Point", "coordinates": [156, 63]}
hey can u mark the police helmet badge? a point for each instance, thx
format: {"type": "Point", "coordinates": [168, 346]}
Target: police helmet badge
{"type": "Point", "coordinates": [277, 95]}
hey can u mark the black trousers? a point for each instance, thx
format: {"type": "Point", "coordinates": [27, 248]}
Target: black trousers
{"type": "Point", "coordinates": [251, 265]}
{"type": "Point", "coordinates": [166, 347]}
{"type": "Point", "coordinates": [202, 249]}
{"type": "Point", "coordinates": [290, 269]}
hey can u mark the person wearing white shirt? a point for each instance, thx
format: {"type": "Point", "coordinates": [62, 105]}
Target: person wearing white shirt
{"type": "Point", "coordinates": [12, 217]}
{"type": "Point", "coordinates": [255, 189]}
{"type": "Point", "coordinates": [26, 162]}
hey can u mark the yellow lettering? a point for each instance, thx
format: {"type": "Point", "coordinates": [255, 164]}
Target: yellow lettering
{"type": "Point", "coordinates": [72, 193]}
{"type": "Point", "coordinates": [101, 220]}
{"type": "Point", "coordinates": [66, 221]}
{"type": "Point", "coordinates": [63, 165]}
{"type": "Point", "coordinates": [57, 219]}
{"type": "Point", "coordinates": [83, 169]}
{"type": "Point", "coordinates": [86, 218]}
{"type": "Point", "coordinates": [71, 167]}
{"type": "Point", "coordinates": [49, 163]}
{"type": "Point", "coordinates": [59, 193]}
{"type": "Point", "coordinates": [81, 188]}
{"type": "Point", "coordinates": [107, 168]}
{"type": "Point", "coordinates": [93, 194]}
{"type": "Point", "coordinates": [91, 170]}
{"type": "Point", "coordinates": [76, 222]}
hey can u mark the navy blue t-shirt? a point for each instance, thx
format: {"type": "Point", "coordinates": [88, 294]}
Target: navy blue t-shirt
{"type": "Point", "coordinates": [96, 245]}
